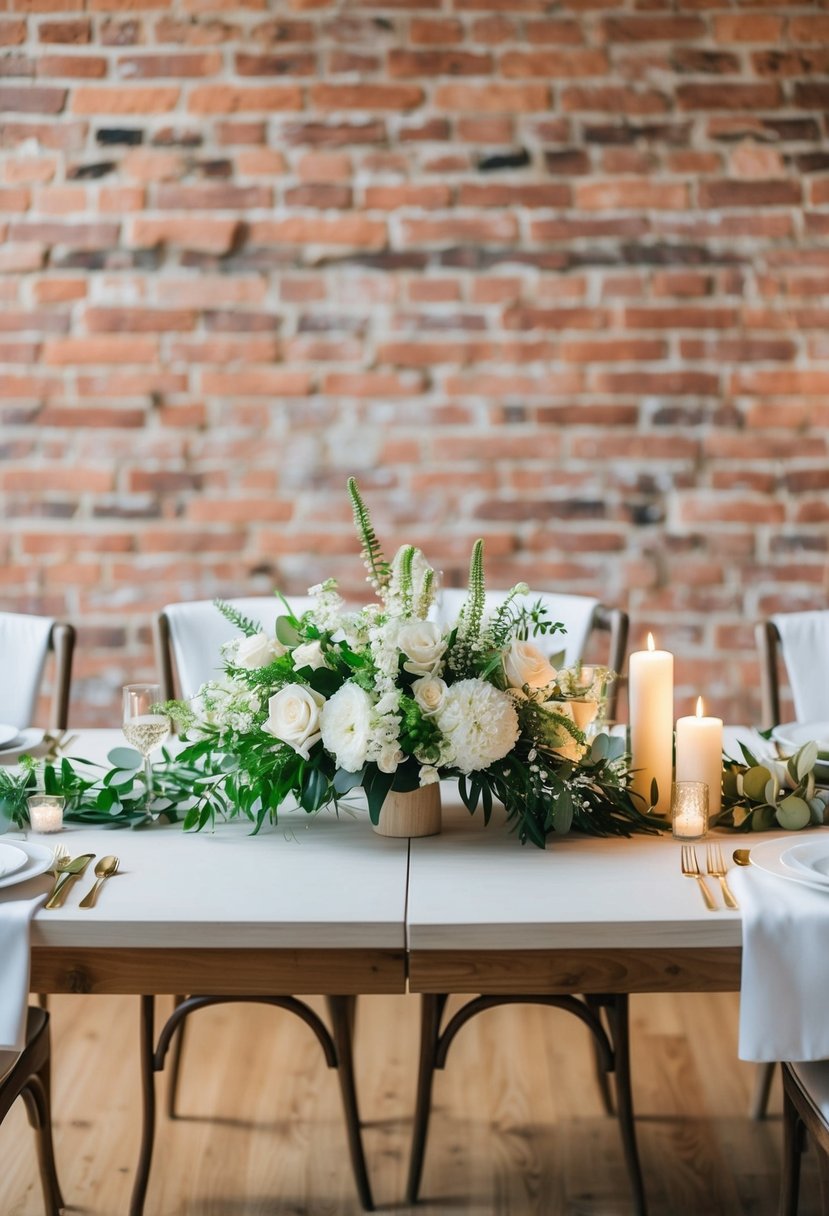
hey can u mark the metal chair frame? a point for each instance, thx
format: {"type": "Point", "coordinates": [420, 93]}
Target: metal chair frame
{"type": "Point", "coordinates": [30, 1079]}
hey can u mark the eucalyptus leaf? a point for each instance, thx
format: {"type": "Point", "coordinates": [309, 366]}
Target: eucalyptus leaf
{"type": "Point", "coordinates": [125, 757]}
{"type": "Point", "coordinates": [793, 813]}
{"type": "Point", "coordinates": [287, 633]}
{"type": "Point", "coordinates": [762, 818]}
{"type": "Point", "coordinates": [806, 759]}
{"type": "Point", "coordinates": [600, 748]}
{"type": "Point", "coordinates": [772, 789]}
{"type": "Point", "coordinates": [755, 782]}
{"type": "Point", "coordinates": [563, 813]}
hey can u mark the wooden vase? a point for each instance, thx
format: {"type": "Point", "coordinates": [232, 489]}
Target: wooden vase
{"type": "Point", "coordinates": [416, 813]}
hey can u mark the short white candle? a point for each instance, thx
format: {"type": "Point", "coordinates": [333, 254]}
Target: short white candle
{"type": "Point", "coordinates": [690, 810]}
{"type": "Point", "coordinates": [45, 813]}
{"type": "Point", "coordinates": [651, 703]}
{"type": "Point", "coordinates": [699, 754]}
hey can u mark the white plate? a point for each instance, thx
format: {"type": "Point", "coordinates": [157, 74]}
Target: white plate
{"type": "Point", "coordinates": [11, 859]}
{"type": "Point", "coordinates": [38, 860]}
{"type": "Point", "coordinates": [792, 735]}
{"type": "Point", "coordinates": [809, 857]}
{"type": "Point", "coordinates": [768, 857]}
{"type": "Point", "coordinates": [27, 739]}
{"type": "Point", "coordinates": [8, 734]}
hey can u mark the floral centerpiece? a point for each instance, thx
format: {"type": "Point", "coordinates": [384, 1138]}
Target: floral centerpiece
{"type": "Point", "coordinates": [386, 698]}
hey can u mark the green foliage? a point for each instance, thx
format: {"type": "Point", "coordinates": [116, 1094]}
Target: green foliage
{"type": "Point", "coordinates": [378, 567]}
{"type": "Point", "coordinates": [757, 796]}
{"type": "Point", "coordinates": [245, 624]}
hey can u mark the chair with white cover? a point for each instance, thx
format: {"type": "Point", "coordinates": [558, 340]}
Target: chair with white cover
{"type": "Point", "coordinates": [580, 615]}
{"type": "Point", "coordinates": [801, 641]}
{"type": "Point", "coordinates": [188, 637]}
{"type": "Point", "coordinates": [26, 1075]}
{"type": "Point", "coordinates": [605, 1015]}
{"type": "Point", "coordinates": [805, 1113]}
{"type": "Point", "coordinates": [25, 644]}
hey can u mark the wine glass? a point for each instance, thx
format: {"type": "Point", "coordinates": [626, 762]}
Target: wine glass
{"type": "Point", "coordinates": [144, 727]}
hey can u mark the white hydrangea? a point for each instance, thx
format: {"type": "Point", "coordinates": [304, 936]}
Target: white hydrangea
{"type": "Point", "coordinates": [479, 724]}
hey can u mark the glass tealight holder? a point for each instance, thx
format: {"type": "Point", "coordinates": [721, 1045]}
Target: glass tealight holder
{"type": "Point", "coordinates": [689, 810]}
{"type": "Point", "coordinates": [46, 812]}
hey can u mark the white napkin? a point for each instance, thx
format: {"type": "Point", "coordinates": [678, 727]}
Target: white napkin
{"type": "Point", "coordinates": [15, 918]}
{"type": "Point", "coordinates": [24, 642]}
{"type": "Point", "coordinates": [804, 638]}
{"type": "Point", "coordinates": [785, 981]}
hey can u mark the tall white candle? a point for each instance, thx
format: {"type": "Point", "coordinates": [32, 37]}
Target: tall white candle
{"type": "Point", "coordinates": [699, 754]}
{"type": "Point", "coordinates": [651, 702]}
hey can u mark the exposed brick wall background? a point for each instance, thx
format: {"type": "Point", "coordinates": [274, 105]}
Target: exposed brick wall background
{"type": "Point", "coordinates": [556, 274]}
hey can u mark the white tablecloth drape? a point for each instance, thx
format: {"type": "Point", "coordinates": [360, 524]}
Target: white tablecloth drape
{"type": "Point", "coordinates": [16, 914]}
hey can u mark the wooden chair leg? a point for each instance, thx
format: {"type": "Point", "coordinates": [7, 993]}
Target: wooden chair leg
{"type": "Point", "coordinates": [176, 1053]}
{"type": "Point", "coordinates": [142, 1173]}
{"type": "Point", "coordinates": [763, 1078]}
{"type": "Point", "coordinates": [341, 1010]}
{"type": "Point", "coordinates": [431, 1011]}
{"type": "Point", "coordinates": [792, 1148]}
{"type": "Point", "coordinates": [617, 1014]}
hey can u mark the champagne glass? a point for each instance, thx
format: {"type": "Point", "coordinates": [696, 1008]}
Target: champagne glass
{"type": "Point", "coordinates": [144, 727]}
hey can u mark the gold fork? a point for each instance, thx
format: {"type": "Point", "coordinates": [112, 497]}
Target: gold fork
{"type": "Point", "coordinates": [716, 868]}
{"type": "Point", "coordinates": [60, 860]}
{"type": "Point", "coordinates": [690, 868]}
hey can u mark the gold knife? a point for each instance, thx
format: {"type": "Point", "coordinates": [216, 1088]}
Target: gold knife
{"type": "Point", "coordinates": [69, 874]}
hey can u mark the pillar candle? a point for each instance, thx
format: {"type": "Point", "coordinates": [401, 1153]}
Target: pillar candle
{"type": "Point", "coordinates": [699, 754]}
{"type": "Point", "coordinates": [651, 702]}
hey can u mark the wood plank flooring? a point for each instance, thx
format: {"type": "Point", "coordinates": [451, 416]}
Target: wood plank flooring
{"type": "Point", "coordinates": [517, 1128]}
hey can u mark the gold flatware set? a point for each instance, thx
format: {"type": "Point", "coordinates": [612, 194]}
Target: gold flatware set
{"type": "Point", "coordinates": [715, 868]}
{"type": "Point", "coordinates": [67, 870]}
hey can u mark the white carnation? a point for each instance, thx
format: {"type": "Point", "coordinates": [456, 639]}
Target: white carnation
{"type": "Point", "coordinates": [346, 726]}
{"type": "Point", "coordinates": [479, 723]}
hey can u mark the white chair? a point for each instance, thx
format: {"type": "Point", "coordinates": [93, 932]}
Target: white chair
{"type": "Point", "coordinates": [801, 640]}
{"type": "Point", "coordinates": [188, 637]}
{"type": "Point", "coordinates": [25, 643]}
{"type": "Point", "coordinates": [805, 1113]}
{"type": "Point", "coordinates": [580, 615]}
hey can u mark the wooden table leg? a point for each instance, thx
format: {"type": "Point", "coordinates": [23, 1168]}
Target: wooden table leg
{"type": "Point", "coordinates": [342, 1009]}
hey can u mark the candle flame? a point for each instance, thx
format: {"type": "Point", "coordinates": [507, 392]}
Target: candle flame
{"type": "Point", "coordinates": [699, 707]}
{"type": "Point", "coordinates": [651, 645]}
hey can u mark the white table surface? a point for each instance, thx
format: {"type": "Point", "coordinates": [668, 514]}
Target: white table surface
{"type": "Point", "coordinates": [316, 882]}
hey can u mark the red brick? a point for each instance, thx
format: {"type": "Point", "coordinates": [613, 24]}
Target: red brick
{"type": "Point", "coordinates": [260, 162]}
{"type": "Point", "coordinates": [680, 318]}
{"type": "Point", "coordinates": [555, 318]}
{"type": "Point", "coordinates": [811, 28]}
{"type": "Point", "coordinates": [209, 235]}
{"type": "Point", "coordinates": [12, 32]}
{"type": "Point", "coordinates": [58, 291]}
{"type": "Point", "coordinates": [726, 509]}
{"type": "Point", "coordinates": [727, 95]}
{"type": "Point", "coordinates": [782, 64]}
{"type": "Point", "coordinates": [30, 99]}
{"type": "Point", "coordinates": [778, 382]}
{"type": "Point", "coordinates": [208, 196]}
{"type": "Point", "coordinates": [614, 99]}
{"type": "Point", "coordinates": [556, 65]}
{"type": "Point", "coordinates": [76, 31]}
{"type": "Point", "coordinates": [450, 228]}
{"type": "Point", "coordinates": [613, 350]}
{"type": "Point", "coordinates": [207, 99]}
{"type": "Point", "coordinates": [503, 194]}
{"type": "Point", "coordinates": [152, 67]}
{"type": "Point", "coordinates": [137, 320]}
{"type": "Point", "coordinates": [729, 193]}
{"type": "Point", "coordinates": [492, 98]}
{"type": "Point", "coordinates": [368, 97]}
{"type": "Point", "coordinates": [74, 236]}
{"type": "Point", "coordinates": [318, 194]}
{"type": "Point", "coordinates": [82, 67]}
{"type": "Point", "coordinates": [653, 28]}
{"type": "Point", "coordinates": [257, 382]}
{"type": "Point", "coordinates": [371, 384]}
{"type": "Point", "coordinates": [424, 31]}
{"type": "Point", "coordinates": [404, 63]}
{"type": "Point", "coordinates": [748, 27]}
{"type": "Point", "coordinates": [124, 99]}
{"type": "Point", "coordinates": [357, 231]}
{"type": "Point", "coordinates": [61, 351]}
{"type": "Point", "coordinates": [631, 193]}
{"type": "Point", "coordinates": [389, 198]}
{"type": "Point", "coordinates": [295, 63]}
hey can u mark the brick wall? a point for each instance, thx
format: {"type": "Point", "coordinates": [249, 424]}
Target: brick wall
{"type": "Point", "coordinates": [554, 274]}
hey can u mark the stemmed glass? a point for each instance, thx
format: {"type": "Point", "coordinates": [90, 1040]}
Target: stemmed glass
{"type": "Point", "coordinates": [144, 727]}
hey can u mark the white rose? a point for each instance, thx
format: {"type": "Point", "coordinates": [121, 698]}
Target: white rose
{"type": "Point", "coordinates": [258, 651]}
{"type": "Point", "coordinates": [423, 646]}
{"type": "Point", "coordinates": [428, 774]}
{"type": "Point", "coordinates": [308, 654]}
{"type": "Point", "coordinates": [525, 664]}
{"type": "Point", "coordinates": [294, 717]}
{"type": "Point", "coordinates": [429, 692]}
{"type": "Point", "coordinates": [389, 758]}
{"type": "Point", "coordinates": [346, 724]}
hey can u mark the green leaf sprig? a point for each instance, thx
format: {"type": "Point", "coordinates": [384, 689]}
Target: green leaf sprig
{"type": "Point", "coordinates": [759, 795]}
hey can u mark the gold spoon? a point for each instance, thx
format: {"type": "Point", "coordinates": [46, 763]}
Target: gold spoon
{"type": "Point", "coordinates": [105, 868]}
{"type": "Point", "coordinates": [742, 857]}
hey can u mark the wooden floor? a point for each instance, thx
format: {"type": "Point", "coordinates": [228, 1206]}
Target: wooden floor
{"type": "Point", "coordinates": [517, 1126]}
